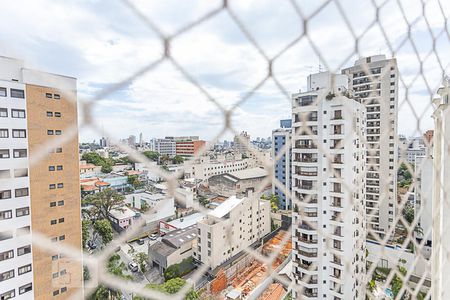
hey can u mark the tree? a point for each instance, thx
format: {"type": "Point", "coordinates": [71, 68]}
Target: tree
{"type": "Point", "coordinates": [171, 286]}
{"type": "Point", "coordinates": [274, 201]}
{"type": "Point", "coordinates": [103, 202]}
{"type": "Point", "coordinates": [141, 259]}
{"type": "Point", "coordinates": [397, 282]}
{"type": "Point", "coordinates": [178, 159]}
{"type": "Point", "coordinates": [164, 159]}
{"type": "Point", "coordinates": [104, 229]}
{"type": "Point", "coordinates": [85, 234]}
{"type": "Point", "coordinates": [144, 207]}
{"type": "Point", "coordinates": [151, 155]}
{"type": "Point", "coordinates": [171, 272]}
{"type": "Point", "coordinates": [116, 267]}
{"type": "Point", "coordinates": [134, 181]}
{"type": "Point", "coordinates": [192, 295]}
{"type": "Point", "coordinates": [106, 169]}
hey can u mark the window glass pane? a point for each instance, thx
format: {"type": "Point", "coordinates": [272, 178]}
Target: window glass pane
{"type": "Point", "coordinates": [15, 93]}
{"type": "Point", "coordinates": [2, 92]}
{"type": "Point", "coordinates": [3, 112]}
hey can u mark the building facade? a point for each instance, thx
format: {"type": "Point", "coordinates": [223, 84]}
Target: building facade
{"type": "Point", "coordinates": [281, 141]}
{"type": "Point", "coordinates": [230, 228]}
{"type": "Point", "coordinates": [374, 82]}
{"type": "Point", "coordinates": [188, 149]}
{"type": "Point", "coordinates": [39, 188]}
{"type": "Point", "coordinates": [165, 147]}
{"type": "Point", "coordinates": [328, 180]}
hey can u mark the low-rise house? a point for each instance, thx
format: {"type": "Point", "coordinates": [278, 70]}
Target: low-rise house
{"type": "Point", "coordinates": [122, 218]}
{"type": "Point", "coordinates": [151, 199]}
{"type": "Point", "coordinates": [238, 183]}
{"type": "Point", "coordinates": [180, 223]}
{"type": "Point", "coordinates": [173, 248]}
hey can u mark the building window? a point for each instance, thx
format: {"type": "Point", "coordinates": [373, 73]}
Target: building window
{"type": "Point", "coordinates": [55, 257]}
{"type": "Point", "coordinates": [57, 114]}
{"type": "Point", "coordinates": [63, 272]}
{"type": "Point", "coordinates": [51, 168]}
{"type": "Point", "coordinates": [24, 269]}
{"type": "Point", "coordinates": [23, 230]}
{"type": "Point", "coordinates": [52, 204]}
{"type": "Point", "coordinates": [15, 93]}
{"type": "Point", "coordinates": [24, 250]}
{"type": "Point", "coordinates": [8, 295]}
{"type": "Point", "coordinates": [52, 186]}
{"type": "Point", "coordinates": [59, 168]}
{"type": "Point", "coordinates": [63, 289]}
{"type": "Point", "coordinates": [6, 255]}
{"type": "Point", "coordinates": [55, 275]}
{"type": "Point", "coordinates": [62, 237]}
{"type": "Point", "coordinates": [49, 132]}
{"type": "Point", "coordinates": [61, 203]}
{"type": "Point", "coordinates": [58, 150]}
{"type": "Point", "coordinates": [4, 133]}
{"type": "Point", "coordinates": [6, 275]}
{"type": "Point", "coordinates": [57, 96]}
{"type": "Point", "coordinates": [6, 214]}
{"type": "Point", "coordinates": [55, 292]}
{"type": "Point", "coordinates": [18, 113]}
{"type": "Point", "coordinates": [3, 112]}
{"type": "Point", "coordinates": [49, 114]}
{"type": "Point", "coordinates": [22, 211]}
{"type": "Point", "coordinates": [25, 288]}
{"type": "Point", "coordinates": [2, 92]}
{"type": "Point", "coordinates": [4, 153]}
{"type": "Point", "coordinates": [48, 95]}
{"type": "Point", "coordinates": [19, 133]}
{"type": "Point", "coordinates": [18, 153]}
{"type": "Point", "coordinates": [20, 173]}
{"type": "Point", "coordinates": [22, 192]}
{"type": "Point", "coordinates": [5, 194]}
{"type": "Point", "coordinates": [52, 222]}
{"type": "Point", "coordinates": [58, 132]}
{"type": "Point", "coordinates": [61, 220]}
{"type": "Point", "coordinates": [60, 185]}
{"type": "Point", "coordinates": [5, 235]}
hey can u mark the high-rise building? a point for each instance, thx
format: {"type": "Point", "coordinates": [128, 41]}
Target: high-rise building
{"type": "Point", "coordinates": [238, 145]}
{"type": "Point", "coordinates": [281, 138]}
{"type": "Point", "coordinates": [441, 191]}
{"type": "Point", "coordinates": [39, 188]}
{"type": "Point", "coordinates": [374, 82]}
{"type": "Point", "coordinates": [328, 176]}
{"type": "Point", "coordinates": [165, 147]}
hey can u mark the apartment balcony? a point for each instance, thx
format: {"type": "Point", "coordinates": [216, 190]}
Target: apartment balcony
{"type": "Point", "coordinates": [309, 294]}
{"type": "Point", "coordinates": [305, 146]}
{"type": "Point", "coordinates": [306, 240]}
{"type": "Point", "coordinates": [307, 187]}
{"type": "Point", "coordinates": [373, 116]}
{"type": "Point", "coordinates": [337, 262]}
{"type": "Point", "coordinates": [306, 227]}
{"type": "Point", "coordinates": [305, 173]}
{"type": "Point", "coordinates": [307, 254]}
{"type": "Point", "coordinates": [306, 159]}
{"type": "Point", "coordinates": [305, 100]}
{"type": "Point", "coordinates": [308, 280]}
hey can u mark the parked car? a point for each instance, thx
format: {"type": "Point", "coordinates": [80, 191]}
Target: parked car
{"type": "Point", "coordinates": [133, 266]}
{"type": "Point", "coordinates": [140, 242]}
{"type": "Point", "coordinates": [153, 237]}
{"type": "Point", "coordinates": [91, 245]}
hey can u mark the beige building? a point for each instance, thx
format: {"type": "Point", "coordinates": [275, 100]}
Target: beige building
{"type": "Point", "coordinates": [239, 182]}
{"type": "Point", "coordinates": [40, 189]}
{"type": "Point", "coordinates": [231, 227]}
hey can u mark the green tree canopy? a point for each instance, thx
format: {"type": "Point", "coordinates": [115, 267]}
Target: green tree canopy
{"type": "Point", "coordinates": [178, 159]}
{"type": "Point", "coordinates": [104, 229]}
{"type": "Point", "coordinates": [151, 155]}
{"type": "Point", "coordinates": [141, 259]}
{"type": "Point", "coordinates": [103, 202]}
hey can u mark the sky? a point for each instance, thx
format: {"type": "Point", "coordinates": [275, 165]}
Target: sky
{"type": "Point", "coordinates": [104, 42]}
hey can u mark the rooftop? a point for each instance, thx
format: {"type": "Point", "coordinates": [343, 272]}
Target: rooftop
{"type": "Point", "coordinates": [180, 236]}
{"type": "Point", "coordinates": [249, 173]}
{"type": "Point", "coordinates": [162, 248]}
{"type": "Point", "coordinates": [226, 206]}
{"type": "Point", "coordinates": [123, 213]}
{"type": "Point", "coordinates": [187, 220]}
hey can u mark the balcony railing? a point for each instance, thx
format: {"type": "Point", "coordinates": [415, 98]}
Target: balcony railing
{"type": "Point", "coordinates": [307, 254]}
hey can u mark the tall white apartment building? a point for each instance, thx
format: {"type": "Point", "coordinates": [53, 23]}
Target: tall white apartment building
{"type": "Point", "coordinates": [441, 191]}
{"type": "Point", "coordinates": [328, 186]}
{"type": "Point", "coordinates": [230, 228]}
{"type": "Point", "coordinates": [374, 82]}
{"type": "Point", "coordinates": [39, 194]}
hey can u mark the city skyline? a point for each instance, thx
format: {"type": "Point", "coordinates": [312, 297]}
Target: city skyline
{"type": "Point", "coordinates": [101, 57]}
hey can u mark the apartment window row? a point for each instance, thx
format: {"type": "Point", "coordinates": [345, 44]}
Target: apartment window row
{"type": "Point", "coordinates": [15, 113]}
{"type": "Point", "coordinates": [17, 153]}
{"type": "Point", "coordinates": [55, 150]}
{"type": "Point", "coordinates": [57, 168]}
{"type": "Point", "coordinates": [20, 212]}
{"type": "Point", "coordinates": [11, 273]}
{"type": "Point", "coordinates": [59, 203]}
{"type": "Point", "coordinates": [14, 93]}
{"type": "Point", "coordinates": [21, 192]}
{"type": "Point", "coordinates": [52, 96]}
{"type": "Point", "coordinates": [23, 172]}
{"type": "Point", "coordinates": [53, 186]}
{"type": "Point", "coordinates": [56, 114]}
{"type": "Point", "coordinates": [54, 222]}
{"type": "Point", "coordinates": [54, 132]}
{"type": "Point", "coordinates": [12, 293]}
{"type": "Point", "coordinates": [10, 253]}
{"type": "Point", "coordinates": [62, 290]}
{"type": "Point", "coordinates": [59, 238]}
{"type": "Point", "coordinates": [16, 133]}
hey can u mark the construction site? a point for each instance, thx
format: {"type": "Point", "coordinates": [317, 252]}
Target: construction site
{"type": "Point", "coordinates": [240, 282]}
